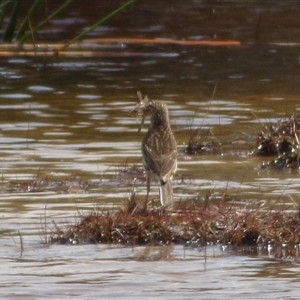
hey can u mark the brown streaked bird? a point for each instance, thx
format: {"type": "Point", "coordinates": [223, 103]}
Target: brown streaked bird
{"type": "Point", "coordinates": [159, 149]}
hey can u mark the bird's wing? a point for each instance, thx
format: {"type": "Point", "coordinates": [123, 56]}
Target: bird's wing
{"type": "Point", "coordinates": [161, 164]}
{"type": "Point", "coordinates": [168, 166]}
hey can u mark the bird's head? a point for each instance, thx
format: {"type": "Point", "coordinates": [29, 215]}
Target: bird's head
{"type": "Point", "coordinates": [157, 110]}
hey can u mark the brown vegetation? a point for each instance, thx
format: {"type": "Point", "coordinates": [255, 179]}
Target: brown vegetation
{"type": "Point", "coordinates": [280, 139]}
{"type": "Point", "coordinates": [203, 142]}
{"type": "Point", "coordinates": [191, 223]}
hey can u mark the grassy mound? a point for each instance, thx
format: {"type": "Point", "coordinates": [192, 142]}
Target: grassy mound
{"type": "Point", "coordinates": [190, 223]}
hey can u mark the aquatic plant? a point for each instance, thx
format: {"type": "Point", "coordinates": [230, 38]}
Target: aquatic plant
{"type": "Point", "coordinates": [203, 142]}
{"type": "Point", "coordinates": [280, 139]}
{"type": "Point", "coordinates": [11, 9]}
{"type": "Point", "coordinates": [18, 30]}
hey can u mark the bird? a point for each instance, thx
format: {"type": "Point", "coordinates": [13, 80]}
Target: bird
{"type": "Point", "coordinates": [159, 149]}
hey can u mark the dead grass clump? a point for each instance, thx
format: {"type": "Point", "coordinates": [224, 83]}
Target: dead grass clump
{"type": "Point", "coordinates": [203, 142]}
{"type": "Point", "coordinates": [118, 227]}
{"type": "Point", "coordinates": [280, 139]}
{"type": "Point", "coordinates": [192, 223]}
{"type": "Point", "coordinates": [220, 223]}
{"type": "Point", "coordinates": [281, 228]}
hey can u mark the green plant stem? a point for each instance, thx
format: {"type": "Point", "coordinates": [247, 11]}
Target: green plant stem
{"type": "Point", "coordinates": [103, 20]}
{"type": "Point", "coordinates": [9, 31]}
{"type": "Point", "coordinates": [22, 39]}
{"type": "Point", "coordinates": [3, 8]}
{"type": "Point", "coordinates": [25, 25]}
{"type": "Point", "coordinates": [4, 5]}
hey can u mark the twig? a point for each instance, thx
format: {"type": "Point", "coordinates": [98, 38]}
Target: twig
{"type": "Point", "coordinates": [21, 243]}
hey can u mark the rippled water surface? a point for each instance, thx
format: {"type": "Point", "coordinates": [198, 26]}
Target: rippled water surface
{"type": "Point", "coordinates": [67, 145]}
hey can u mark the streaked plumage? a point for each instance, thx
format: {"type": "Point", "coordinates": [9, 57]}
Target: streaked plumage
{"type": "Point", "coordinates": [159, 150]}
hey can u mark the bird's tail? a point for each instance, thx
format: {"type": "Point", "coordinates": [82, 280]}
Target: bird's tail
{"type": "Point", "coordinates": [166, 193]}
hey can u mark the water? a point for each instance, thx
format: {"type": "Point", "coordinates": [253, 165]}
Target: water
{"type": "Point", "coordinates": [91, 271]}
{"type": "Point", "coordinates": [66, 140]}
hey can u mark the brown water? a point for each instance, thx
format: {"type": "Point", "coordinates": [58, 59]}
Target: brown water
{"type": "Point", "coordinates": [66, 138]}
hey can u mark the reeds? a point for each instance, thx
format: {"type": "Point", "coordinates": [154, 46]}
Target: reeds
{"type": "Point", "coordinates": [20, 30]}
{"type": "Point", "coordinates": [21, 34]}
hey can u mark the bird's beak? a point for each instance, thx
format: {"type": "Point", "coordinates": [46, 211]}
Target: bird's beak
{"type": "Point", "coordinates": [142, 123]}
{"type": "Point", "coordinates": [139, 109]}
